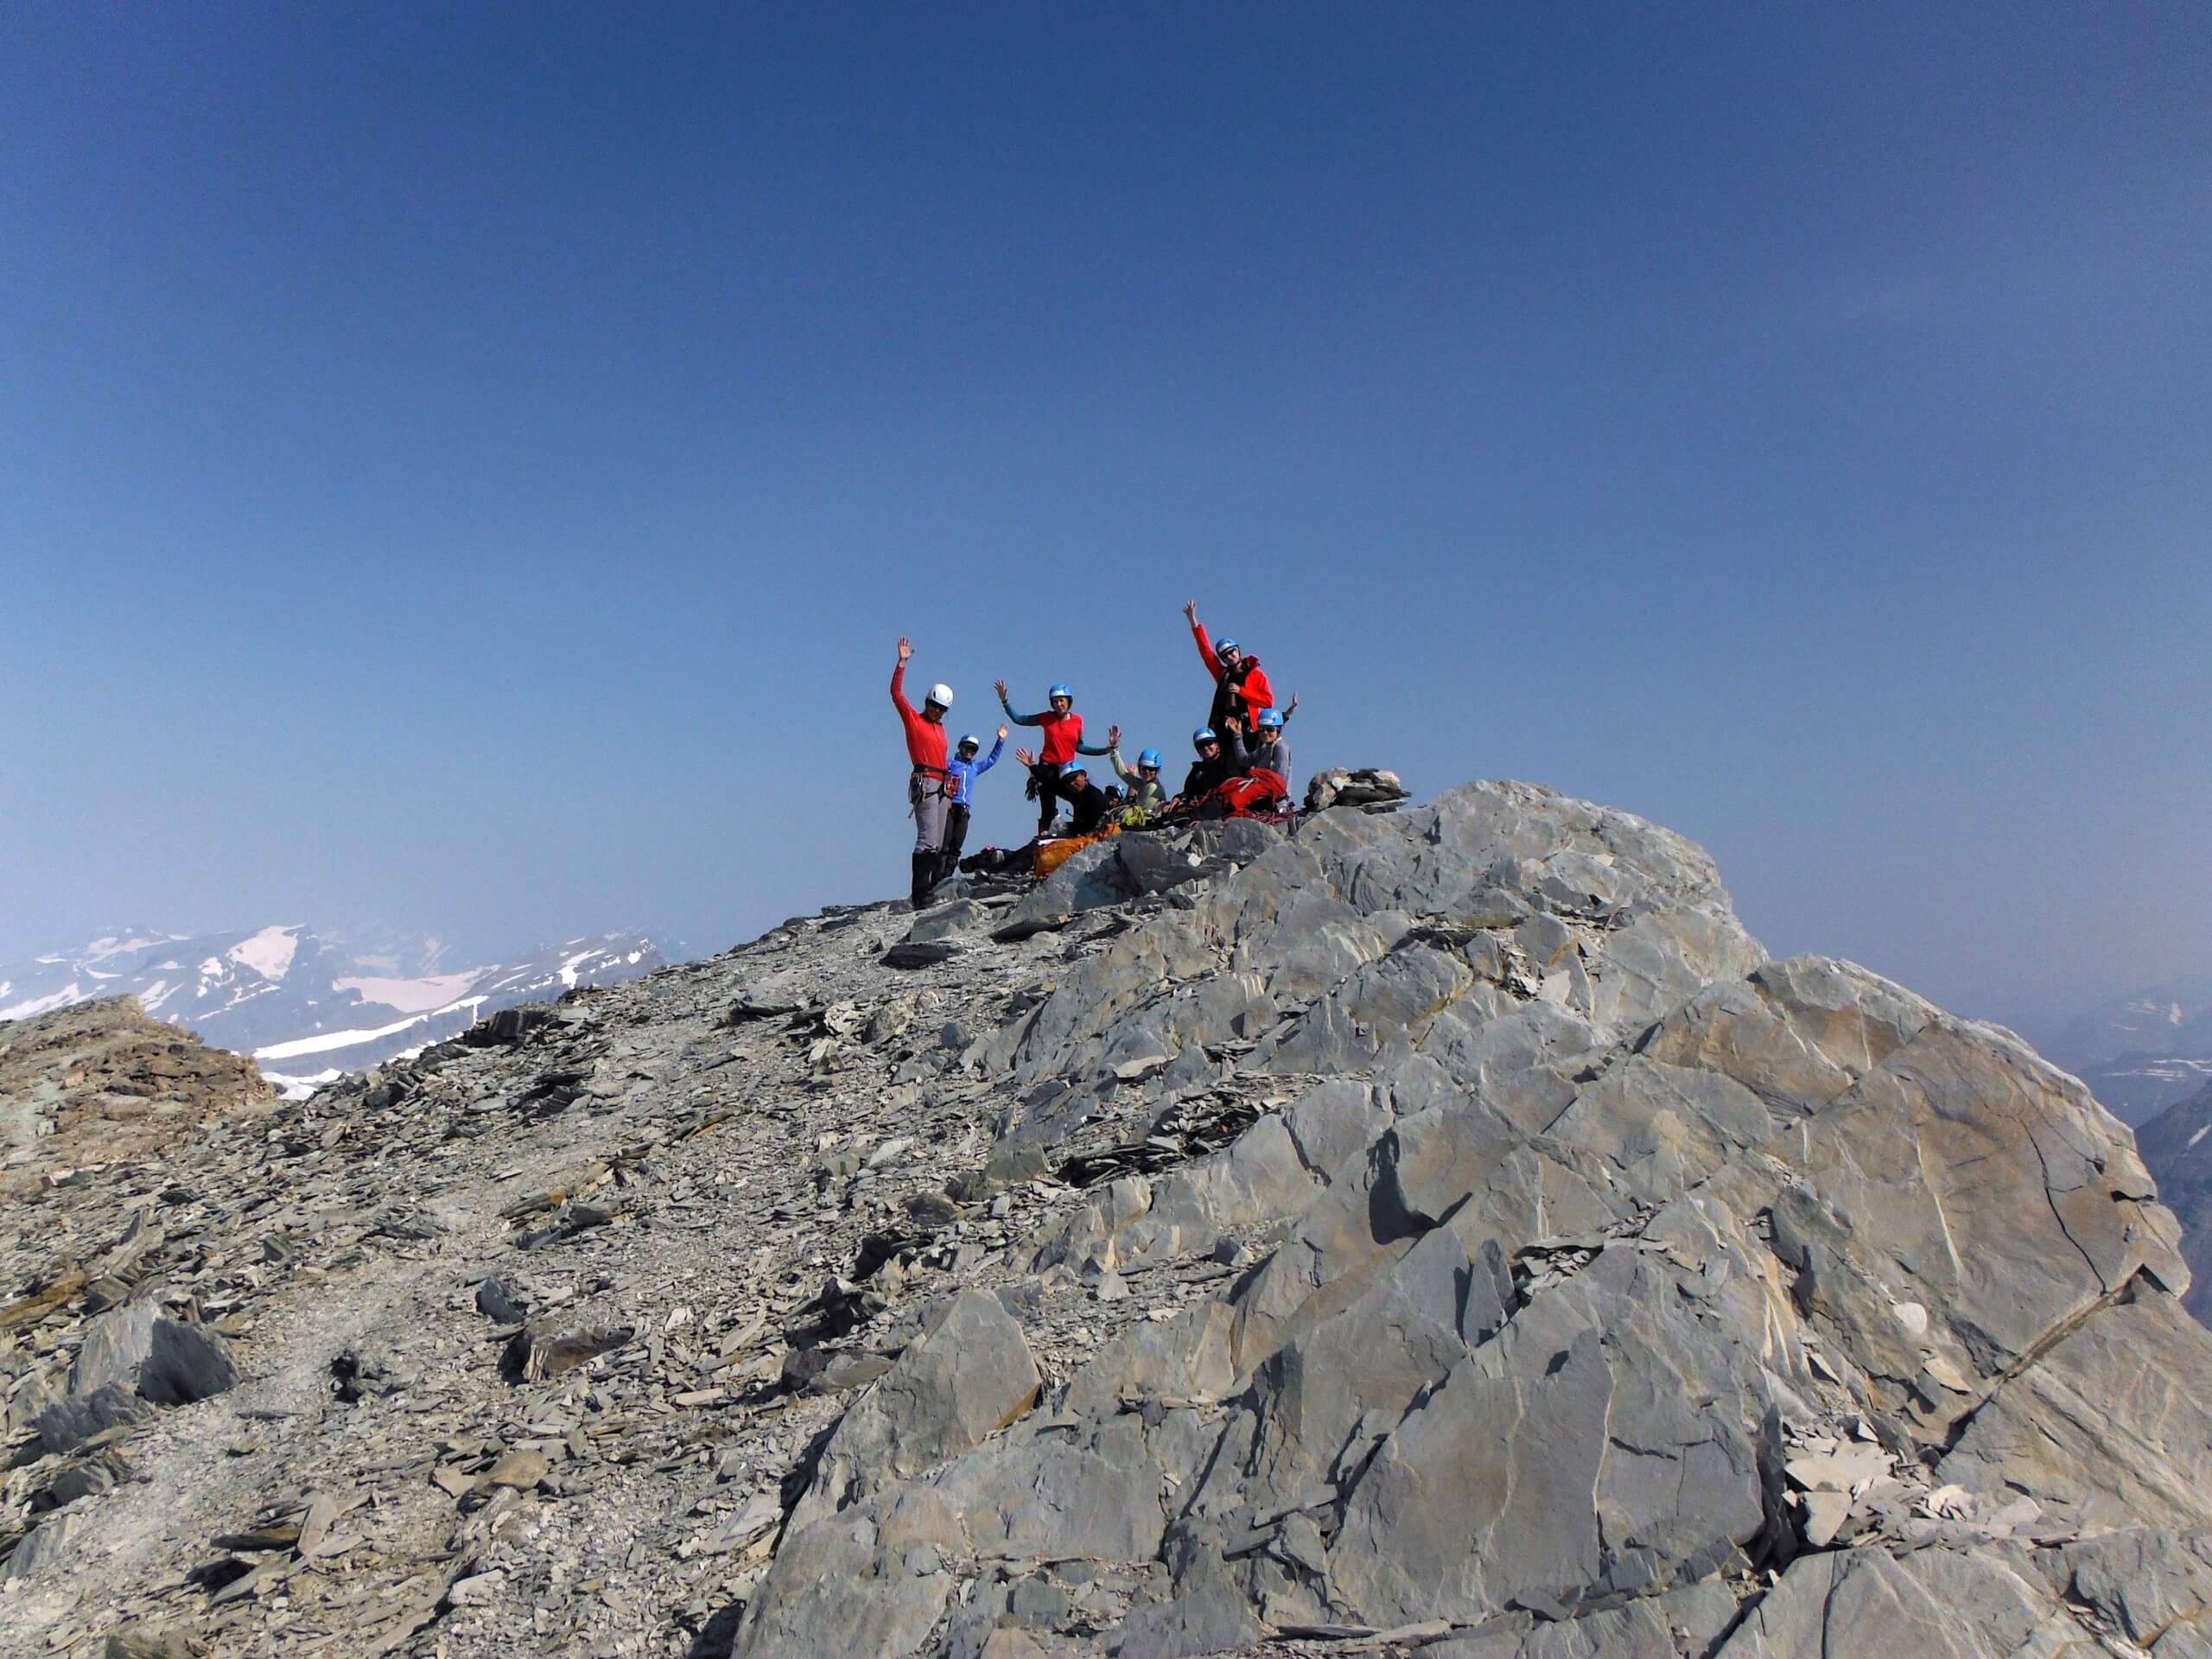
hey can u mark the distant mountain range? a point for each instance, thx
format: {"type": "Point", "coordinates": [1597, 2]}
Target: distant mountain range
{"type": "Point", "coordinates": [311, 1006]}
{"type": "Point", "coordinates": [2141, 1052]}
{"type": "Point", "coordinates": [2176, 1144]}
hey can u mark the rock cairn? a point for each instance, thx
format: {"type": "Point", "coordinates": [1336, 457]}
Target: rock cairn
{"type": "Point", "coordinates": [1435, 1229]}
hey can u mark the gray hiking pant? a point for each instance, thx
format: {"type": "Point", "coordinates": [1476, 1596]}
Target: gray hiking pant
{"type": "Point", "coordinates": [929, 798]}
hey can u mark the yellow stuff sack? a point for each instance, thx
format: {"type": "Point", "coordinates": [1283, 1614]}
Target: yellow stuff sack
{"type": "Point", "coordinates": [1053, 854]}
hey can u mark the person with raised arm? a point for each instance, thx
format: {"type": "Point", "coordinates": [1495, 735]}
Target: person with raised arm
{"type": "Point", "coordinates": [1062, 741]}
{"type": "Point", "coordinates": [965, 769]}
{"type": "Point", "coordinates": [1146, 796]}
{"type": "Point", "coordinates": [929, 786]}
{"type": "Point", "coordinates": [1259, 768]}
{"type": "Point", "coordinates": [1240, 686]}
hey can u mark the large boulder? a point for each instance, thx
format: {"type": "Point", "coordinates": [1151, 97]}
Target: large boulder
{"type": "Point", "coordinates": [133, 1358]}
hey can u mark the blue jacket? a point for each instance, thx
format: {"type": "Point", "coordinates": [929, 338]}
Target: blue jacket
{"type": "Point", "coordinates": [965, 772]}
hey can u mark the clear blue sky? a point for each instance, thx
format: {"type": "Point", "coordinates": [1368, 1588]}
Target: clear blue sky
{"type": "Point", "coordinates": [467, 467]}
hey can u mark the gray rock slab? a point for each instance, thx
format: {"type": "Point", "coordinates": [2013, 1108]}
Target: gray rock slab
{"type": "Point", "coordinates": [2152, 1585]}
{"type": "Point", "coordinates": [867, 1582]}
{"type": "Point", "coordinates": [1944, 1603]}
{"type": "Point", "coordinates": [1601, 1445]}
{"type": "Point", "coordinates": [2113, 1421]}
{"type": "Point", "coordinates": [970, 1374]}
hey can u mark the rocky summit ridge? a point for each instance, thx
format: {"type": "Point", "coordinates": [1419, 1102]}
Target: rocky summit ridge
{"type": "Point", "coordinates": [1441, 1230]}
{"type": "Point", "coordinates": [100, 1082]}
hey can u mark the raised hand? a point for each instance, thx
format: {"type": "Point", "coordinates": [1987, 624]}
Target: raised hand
{"type": "Point", "coordinates": [1025, 757]}
{"type": "Point", "coordinates": [999, 686]}
{"type": "Point", "coordinates": [1002, 734]}
{"type": "Point", "coordinates": [1190, 611]}
{"type": "Point", "coordinates": [1113, 737]}
{"type": "Point", "coordinates": [1292, 709]}
{"type": "Point", "coordinates": [906, 648]}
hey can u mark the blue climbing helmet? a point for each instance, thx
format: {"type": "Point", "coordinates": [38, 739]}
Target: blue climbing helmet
{"type": "Point", "coordinates": [1075, 769]}
{"type": "Point", "coordinates": [1203, 736]}
{"type": "Point", "coordinates": [1063, 689]}
{"type": "Point", "coordinates": [1271, 717]}
{"type": "Point", "coordinates": [1222, 647]}
{"type": "Point", "coordinates": [1149, 758]}
{"type": "Point", "coordinates": [969, 740]}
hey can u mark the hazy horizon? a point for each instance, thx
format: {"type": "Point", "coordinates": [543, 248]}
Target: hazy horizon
{"type": "Point", "coordinates": [467, 471]}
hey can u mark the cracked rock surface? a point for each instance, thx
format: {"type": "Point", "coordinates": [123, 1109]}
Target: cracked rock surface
{"type": "Point", "coordinates": [1436, 1228]}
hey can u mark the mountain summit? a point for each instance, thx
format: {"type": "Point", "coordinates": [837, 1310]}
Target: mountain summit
{"type": "Point", "coordinates": [1441, 1229]}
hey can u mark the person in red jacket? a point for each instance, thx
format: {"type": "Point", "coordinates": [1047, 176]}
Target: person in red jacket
{"type": "Point", "coordinates": [1239, 688]}
{"type": "Point", "coordinates": [929, 789]}
{"type": "Point", "coordinates": [1063, 741]}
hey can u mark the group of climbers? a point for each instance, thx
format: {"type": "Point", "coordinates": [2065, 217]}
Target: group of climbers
{"type": "Point", "coordinates": [1243, 755]}
{"type": "Point", "coordinates": [1242, 768]}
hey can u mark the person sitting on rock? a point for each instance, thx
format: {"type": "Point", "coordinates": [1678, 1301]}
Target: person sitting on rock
{"type": "Point", "coordinates": [1208, 772]}
{"type": "Point", "coordinates": [1262, 780]}
{"type": "Point", "coordinates": [965, 769]}
{"type": "Point", "coordinates": [1146, 797]}
{"type": "Point", "coordinates": [929, 785]}
{"type": "Point", "coordinates": [1063, 740]}
{"type": "Point", "coordinates": [1239, 688]}
{"type": "Point", "coordinates": [1086, 803]}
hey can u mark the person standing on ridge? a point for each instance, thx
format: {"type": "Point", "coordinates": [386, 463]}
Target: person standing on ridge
{"type": "Point", "coordinates": [1239, 688]}
{"type": "Point", "coordinates": [929, 789]}
{"type": "Point", "coordinates": [965, 769]}
{"type": "Point", "coordinates": [1063, 741]}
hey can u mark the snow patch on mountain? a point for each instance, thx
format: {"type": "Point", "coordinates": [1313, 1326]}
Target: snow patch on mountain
{"type": "Point", "coordinates": [325, 1042]}
{"type": "Point", "coordinates": [413, 995]}
{"type": "Point", "coordinates": [269, 952]}
{"type": "Point", "coordinates": [60, 999]}
{"type": "Point", "coordinates": [299, 1086]}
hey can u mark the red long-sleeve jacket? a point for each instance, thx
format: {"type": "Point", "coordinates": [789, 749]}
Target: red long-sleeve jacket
{"type": "Point", "coordinates": [1257, 693]}
{"type": "Point", "coordinates": [1063, 735]}
{"type": "Point", "coordinates": [925, 739]}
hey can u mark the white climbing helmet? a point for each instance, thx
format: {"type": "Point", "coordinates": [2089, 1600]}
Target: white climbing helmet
{"type": "Point", "coordinates": [941, 694]}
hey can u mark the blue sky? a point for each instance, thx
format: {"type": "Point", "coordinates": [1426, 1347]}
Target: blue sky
{"type": "Point", "coordinates": [467, 467]}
